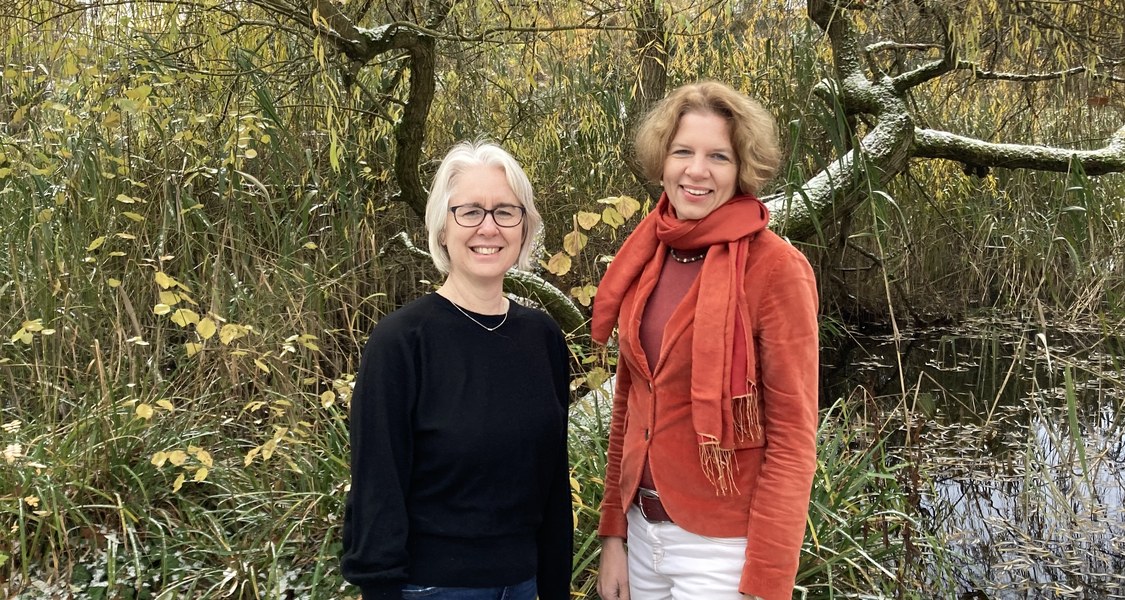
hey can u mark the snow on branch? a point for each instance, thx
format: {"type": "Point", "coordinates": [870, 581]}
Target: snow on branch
{"type": "Point", "coordinates": [929, 143]}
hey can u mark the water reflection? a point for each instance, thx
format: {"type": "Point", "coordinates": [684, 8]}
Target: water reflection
{"type": "Point", "coordinates": [1020, 431]}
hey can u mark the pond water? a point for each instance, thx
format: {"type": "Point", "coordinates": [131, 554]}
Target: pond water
{"type": "Point", "coordinates": [1019, 431]}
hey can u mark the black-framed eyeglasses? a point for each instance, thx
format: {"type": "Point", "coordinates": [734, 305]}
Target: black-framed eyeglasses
{"type": "Point", "coordinates": [471, 215]}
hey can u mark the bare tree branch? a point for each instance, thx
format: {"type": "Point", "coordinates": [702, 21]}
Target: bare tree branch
{"type": "Point", "coordinates": [886, 149]}
{"type": "Point", "coordinates": [937, 68]}
{"type": "Point", "coordinates": [943, 145]}
{"type": "Point", "coordinates": [1035, 77]}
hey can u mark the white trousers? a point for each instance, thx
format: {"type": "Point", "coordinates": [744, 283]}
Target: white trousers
{"type": "Point", "coordinates": [666, 562]}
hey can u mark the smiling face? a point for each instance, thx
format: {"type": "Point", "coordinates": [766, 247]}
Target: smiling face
{"type": "Point", "coordinates": [484, 252]}
{"type": "Point", "coordinates": [701, 168]}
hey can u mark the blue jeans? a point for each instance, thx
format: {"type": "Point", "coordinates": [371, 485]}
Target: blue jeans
{"type": "Point", "coordinates": [519, 591]}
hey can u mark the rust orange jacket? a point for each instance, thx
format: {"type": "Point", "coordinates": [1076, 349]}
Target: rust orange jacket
{"type": "Point", "coordinates": [775, 465]}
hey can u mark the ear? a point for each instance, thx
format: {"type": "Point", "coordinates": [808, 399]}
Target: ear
{"type": "Point", "coordinates": [441, 238]}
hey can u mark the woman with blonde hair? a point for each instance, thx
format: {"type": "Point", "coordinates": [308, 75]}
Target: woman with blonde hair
{"type": "Point", "coordinates": [713, 439]}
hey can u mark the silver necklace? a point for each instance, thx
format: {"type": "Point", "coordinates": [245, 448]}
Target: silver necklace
{"type": "Point", "coordinates": [486, 328]}
{"type": "Point", "coordinates": [686, 259]}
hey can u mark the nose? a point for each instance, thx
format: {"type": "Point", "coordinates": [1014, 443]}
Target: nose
{"type": "Point", "coordinates": [488, 225]}
{"type": "Point", "coordinates": [696, 167]}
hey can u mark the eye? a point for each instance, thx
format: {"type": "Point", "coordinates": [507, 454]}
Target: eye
{"type": "Point", "coordinates": [471, 212]}
{"type": "Point", "coordinates": [681, 152]}
{"type": "Point", "coordinates": [720, 157]}
{"type": "Point", "coordinates": [505, 212]}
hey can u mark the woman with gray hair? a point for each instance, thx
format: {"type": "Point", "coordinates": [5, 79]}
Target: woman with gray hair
{"type": "Point", "coordinates": [460, 481]}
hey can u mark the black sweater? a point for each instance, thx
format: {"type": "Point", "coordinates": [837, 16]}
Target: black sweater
{"type": "Point", "coordinates": [458, 453]}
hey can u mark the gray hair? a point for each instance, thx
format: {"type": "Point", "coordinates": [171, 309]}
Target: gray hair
{"type": "Point", "coordinates": [462, 157]}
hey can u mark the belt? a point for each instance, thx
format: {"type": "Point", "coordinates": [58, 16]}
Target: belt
{"type": "Point", "coordinates": [651, 508]}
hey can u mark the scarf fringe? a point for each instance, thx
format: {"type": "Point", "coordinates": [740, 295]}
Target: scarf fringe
{"type": "Point", "coordinates": [746, 414]}
{"type": "Point", "coordinates": [718, 465]}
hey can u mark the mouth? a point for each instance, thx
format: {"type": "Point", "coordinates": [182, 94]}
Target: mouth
{"type": "Point", "coordinates": [695, 192]}
{"type": "Point", "coordinates": [486, 250]}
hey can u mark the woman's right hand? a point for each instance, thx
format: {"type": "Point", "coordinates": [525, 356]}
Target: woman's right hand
{"type": "Point", "coordinates": [613, 570]}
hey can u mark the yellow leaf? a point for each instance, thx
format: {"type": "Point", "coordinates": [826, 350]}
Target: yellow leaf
{"type": "Point", "coordinates": [200, 474]}
{"type": "Point", "coordinates": [138, 93]}
{"type": "Point", "coordinates": [179, 483]}
{"type": "Point", "coordinates": [268, 449]}
{"type": "Point", "coordinates": [24, 337]}
{"type": "Point", "coordinates": [133, 216]}
{"type": "Point", "coordinates": [169, 298]}
{"type": "Point", "coordinates": [126, 236]}
{"type": "Point", "coordinates": [144, 411]}
{"type": "Point", "coordinates": [231, 332]}
{"type": "Point", "coordinates": [161, 309]}
{"type": "Point", "coordinates": [177, 457]}
{"type": "Point", "coordinates": [612, 218]}
{"type": "Point", "coordinates": [204, 457]}
{"type": "Point", "coordinates": [261, 365]}
{"type": "Point", "coordinates": [165, 404]}
{"type": "Point", "coordinates": [33, 325]}
{"type": "Point", "coordinates": [45, 215]}
{"type": "Point", "coordinates": [32, 501]}
{"type": "Point", "coordinates": [250, 456]}
{"type": "Point", "coordinates": [597, 377]}
{"type": "Point", "coordinates": [206, 328]}
{"type": "Point", "coordinates": [125, 199]}
{"type": "Point", "coordinates": [559, 264]}
{"type": "Point", "coordinates": [112, 119]}
{"type": "Point", "coordinates": [159, 459]}
{"type": "Point", "coordinates": [627, 206]}
{"type": "Point", "coordinates": [327, 398]}
{"type": "Point", "coordinates": [574, 242]}
{"type": "Point", "coordinates": [586, 220]}
{"type": "Point", "coordinates": [584, 294]}
{"type": "Point", "coordinates": [163, 280]}
{"type": "Point", "coordinates": [185, 316]}
{"type": "Point", "coordinates": [97, 243]}
{"type": "Point", "coordinates": [192, 348]}
{"type": "Point", "coordinates": [310, 246]}
{"type": "Point", "coordinates": [250, 153]}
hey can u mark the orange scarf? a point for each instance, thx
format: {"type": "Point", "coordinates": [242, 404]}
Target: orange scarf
{"type": "Point", "coordinates": [723, 374]}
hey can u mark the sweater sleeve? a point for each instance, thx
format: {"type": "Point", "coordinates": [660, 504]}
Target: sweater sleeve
{"type": "Point", "coordinates": [788, 349]}
{"type": "Point", "coordinates": [613, 522]}
{"type": "Point", "coordinates": [556, 535]}
{"type": "Point", "coordinates": [375, 517]}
